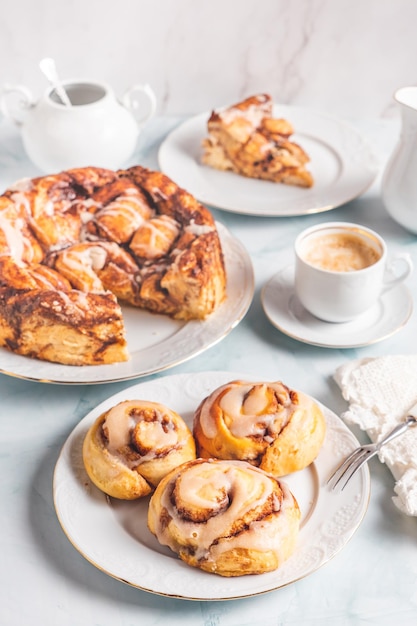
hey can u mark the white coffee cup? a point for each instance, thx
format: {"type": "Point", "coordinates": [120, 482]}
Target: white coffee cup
{"type": "Point", "coordinates": [342, 269]}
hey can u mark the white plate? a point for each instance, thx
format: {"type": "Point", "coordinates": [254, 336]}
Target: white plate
{"type": "Point", "coordinates": [155, 342]}
{"type": "Point", "coordinates": [285, 312]}
{"type": "Point", "coordinates": [341, 162]}
{"type": "Point", "coordinates": [114, 537]}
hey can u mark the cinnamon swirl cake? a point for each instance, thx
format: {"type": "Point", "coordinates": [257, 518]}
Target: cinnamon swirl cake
{"type": "Point", "coordinates": [246, 139]}
{"type": "Point", "coordinates": [75, 245]}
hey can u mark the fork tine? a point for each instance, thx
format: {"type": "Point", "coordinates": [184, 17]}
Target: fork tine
{"type": "Point", "coordinates": [360, 461]}
{"type": "Point", "coordinates": [357, 456]}
{"type": "Point", "coordinates": [344, 464]}
{"type": "Point", "coordinates": [361, 455]}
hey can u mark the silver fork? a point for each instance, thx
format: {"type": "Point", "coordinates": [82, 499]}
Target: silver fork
{"type": "Point", "coordinates": [361, 455]}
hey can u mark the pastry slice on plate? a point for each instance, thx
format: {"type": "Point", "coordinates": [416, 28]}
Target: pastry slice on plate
{"type": "Point", "coordinates": [246, 139]}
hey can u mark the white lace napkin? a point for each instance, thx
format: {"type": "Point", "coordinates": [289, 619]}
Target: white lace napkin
{"type": "Point", "coordinates": [380, 391]}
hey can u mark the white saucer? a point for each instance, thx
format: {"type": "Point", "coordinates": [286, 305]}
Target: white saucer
{"type": "Point", "coordinates": [286, 313]}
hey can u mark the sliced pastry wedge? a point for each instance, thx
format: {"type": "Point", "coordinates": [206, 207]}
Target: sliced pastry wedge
{"type": "Point", "coordinates": [246, 139]}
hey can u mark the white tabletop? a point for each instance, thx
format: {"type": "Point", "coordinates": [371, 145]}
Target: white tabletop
{"type": "Point", "coordinates": [43, 578]}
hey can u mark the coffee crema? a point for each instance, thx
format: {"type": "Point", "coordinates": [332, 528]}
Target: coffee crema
{"type": "Point", "coordinates": [339, 252]}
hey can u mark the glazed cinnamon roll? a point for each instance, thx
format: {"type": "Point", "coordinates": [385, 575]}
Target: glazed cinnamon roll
{"type": "Point", "coordinates": [130, 447]}
{"type": "Point", "coordinates": [267, 424]}
{"type": "Point", "coordinates": [225, 517]}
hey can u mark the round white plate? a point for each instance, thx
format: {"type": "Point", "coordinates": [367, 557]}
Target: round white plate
{"type": "Point", "coordinates": [155, 342]}
{"type": "Point", "coordinates": [113, 535]}
{"type": "Point", "coordinates": [285, 312]}
{"type": "Point", "coordinates": [341, 162]}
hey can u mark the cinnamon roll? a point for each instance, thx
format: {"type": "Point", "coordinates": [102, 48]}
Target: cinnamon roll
{"type": "Point", "coordinates": [130, 447]}
{"type": "Point", "coordinates": [267, 424]}
{"type": "Point", "coordinates": [225, 517]}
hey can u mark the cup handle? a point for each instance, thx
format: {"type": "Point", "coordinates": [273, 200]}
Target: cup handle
{"type": "Point", "coordinates": [391, 279]}
{"type": "Point", "coordinates": [132, 102]}
{"type": "Point", "coordinates": [26, 101]}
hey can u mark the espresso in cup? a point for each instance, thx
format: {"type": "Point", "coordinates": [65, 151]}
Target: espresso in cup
{"type": "Point", "coordinates": [341, 270]}
{"type": "Point", "coordinates": [338, 251]}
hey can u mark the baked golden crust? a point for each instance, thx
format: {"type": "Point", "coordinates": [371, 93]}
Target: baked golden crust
{"type": "Point", "coordinates": [225, 517]}
{"type": "Point", "coordinates": [244, 138]}
{"type": "Point", "coordinates": [93, 236]}
{"type": "Point", "coordinates": [62, 326]}
{"type": "Point", "coordinates": [133, 445]}
{"type": "Point", "coordinates": [267, 424]}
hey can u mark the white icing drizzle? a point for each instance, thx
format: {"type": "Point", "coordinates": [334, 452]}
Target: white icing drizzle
{"type": "Point", "coordinates": [130, 203]}
{"type": "Point", "coordinates": [227, 491]}
{"type": "Point", "coordinates": [82, 261]}
{"type": "Point", "coordinates": [198, 229]}
{"type": "Point", "coordinates": [21, 200]}
{"type": "Point", "coordinates": [252, 114]}
{"type": "Point", "coordinates": [48, 208]}
{"type": "Point", "coordinates": [13, 236]}
{"type": "Point", "coordinates": [245, 413]}
{"type": "Point", "coordinates": [87, 203]}
{"type": "Point", "coordinates": [92, 256]}
{"type": "Point", "coordinates": [78, 300]}
{"type": "Point", "coordinates": [157, 433]}
{"type": "Point", "coordinates": [86, 216]}
{"type": "Point", "coordinates": [24, 184]}
{"type": "Point", "coordinates": [155, 237]}
{"type": "Point", "coordinates": [267, 146]}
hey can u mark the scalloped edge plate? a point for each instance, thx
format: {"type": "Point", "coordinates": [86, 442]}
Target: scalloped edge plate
{"type": "Point", "coordinates": [155, 342]}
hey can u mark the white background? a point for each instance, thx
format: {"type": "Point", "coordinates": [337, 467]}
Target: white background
{"type": "Point", "coordinates": [346, 57]}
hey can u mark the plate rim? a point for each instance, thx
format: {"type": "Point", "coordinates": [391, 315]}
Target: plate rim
{"type": "Point", "coordinates": [330, 344]}
{"type": "Point", "coordinates": [69, 372]}
{"type": "Point", "coordinates": [371, 164]}
{"type": "Point", "coordinates": [359, 497]}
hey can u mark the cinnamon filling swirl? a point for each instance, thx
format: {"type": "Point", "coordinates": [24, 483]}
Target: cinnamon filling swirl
{"type": "Point", "coordinates": [226, 517]}
{"type": "Point", "coordinates": [267, 424]}
{"type": "Point", "coordinates": [133, 445]}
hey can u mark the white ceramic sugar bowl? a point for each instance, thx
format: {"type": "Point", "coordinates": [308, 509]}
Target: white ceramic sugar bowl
{"type": "Point", "coordinates": [96, 130]}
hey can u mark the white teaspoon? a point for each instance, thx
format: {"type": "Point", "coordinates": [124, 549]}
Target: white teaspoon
{"type": "Point", "coordinates": [48, 68]}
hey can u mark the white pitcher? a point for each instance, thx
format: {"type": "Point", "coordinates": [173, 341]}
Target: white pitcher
{"type": "Point", "coordinates": [96, 130]}
{"type": "Point", "coordinates": [399, 183]}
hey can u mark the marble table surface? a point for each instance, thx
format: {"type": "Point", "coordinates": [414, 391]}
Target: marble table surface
{"type": "Point", "coordinates": [45, 580]}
